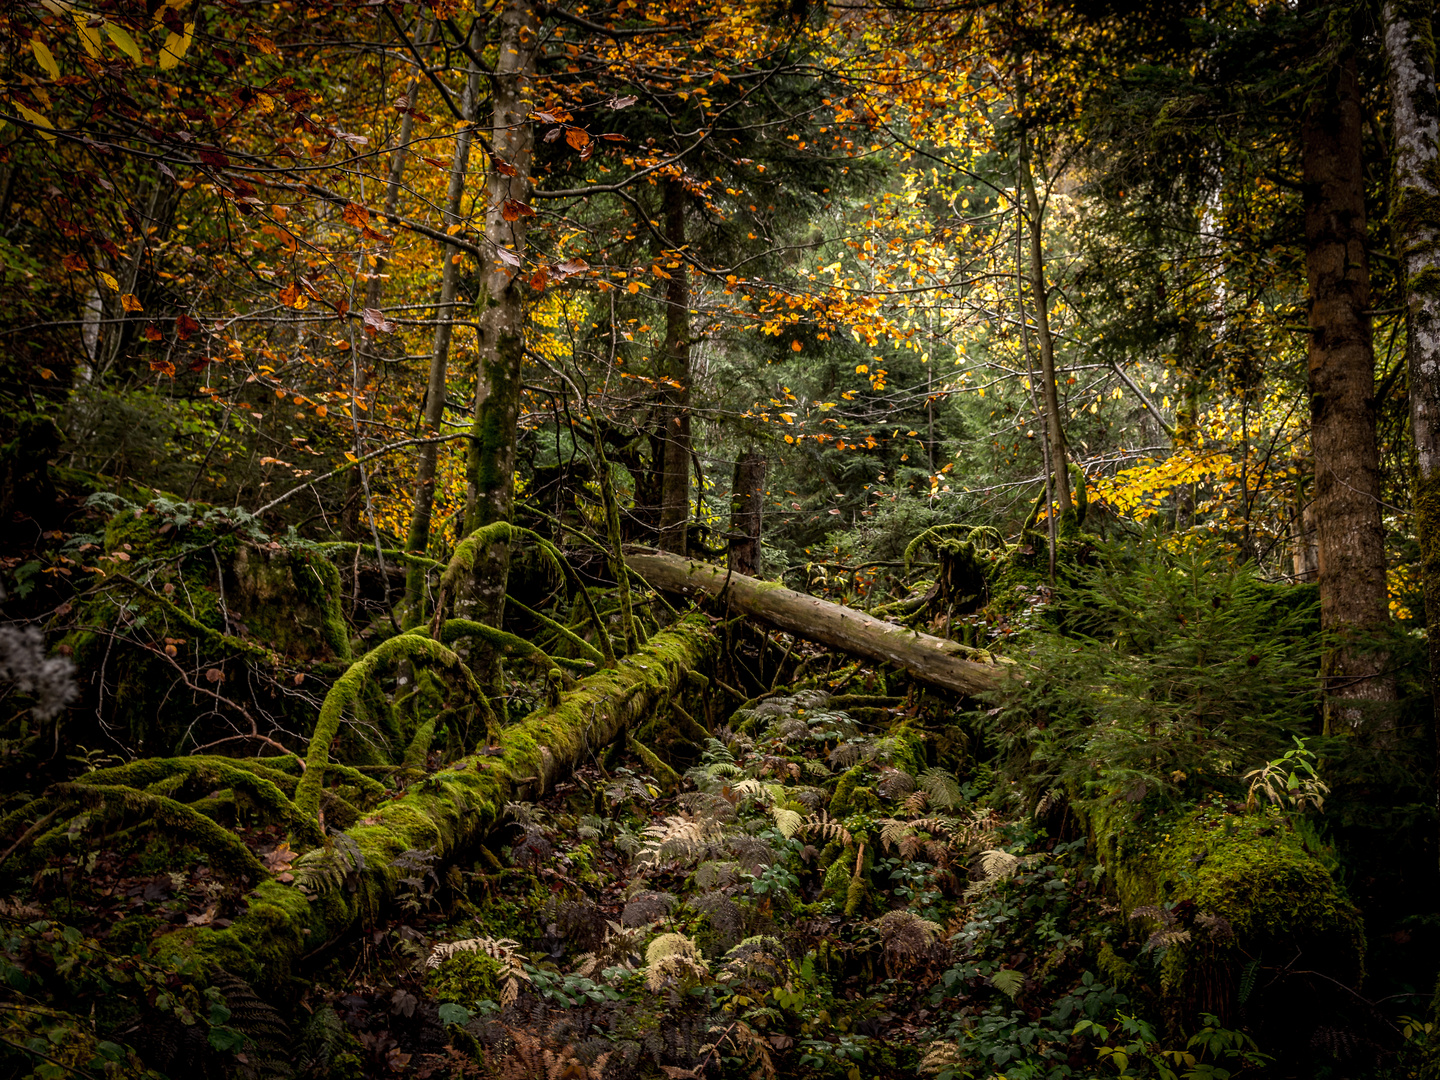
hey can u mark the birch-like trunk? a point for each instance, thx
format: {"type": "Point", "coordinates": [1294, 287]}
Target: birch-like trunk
{"type": "Point", "coordinates": [1415, 113]}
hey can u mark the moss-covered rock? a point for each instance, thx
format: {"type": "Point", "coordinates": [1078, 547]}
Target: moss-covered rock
{"type": "Point", "coordinates": [1253, 871]}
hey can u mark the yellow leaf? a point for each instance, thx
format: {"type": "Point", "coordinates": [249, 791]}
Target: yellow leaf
{"type": "Point", "coordinates": [89, 36]}
{"type": "Point", "coordinates": [175, 47]}
{"type": "Point", "coordinates": [39, 121]}
{"type": "Point", "coordinates": [131, 302]}
{"type": "Point", "coordinates": [122, 40]}
{"type": "Point", "coordinates": [109, 281]}
{"type": "Point", "coordinates": [862, 369]}
{"type": "Point", "coordinates": [633, 287]}
{"type": "Point", "coordinates": [44, 57]}
{"type": "Point", "coordinates": [788, 417]}
{"type": "Point", "coordinates": [350, 457]}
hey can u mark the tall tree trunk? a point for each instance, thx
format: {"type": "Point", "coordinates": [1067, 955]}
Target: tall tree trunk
{"type": "Point", "coordinates": [354, 493]}
{"type": "Point", "coordinates": [747, 501]}
{"type": "Point", "coordinates": [423, 508]}
{"type": "Point", "coordinates": [675, 481]}
{"type": "Point", "coordinates": [1353, 600]}
{"type": "Point", "coordinates": [1040, 300]}
{"type": "Point", "coordinates": [490, 458]}
{"type": "Point", "coordinates": [1415, 111]}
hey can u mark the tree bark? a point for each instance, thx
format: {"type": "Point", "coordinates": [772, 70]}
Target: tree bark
{"type": "Point", "coordinates": [452, 811]}
{"type": "Point", "coordinates": [423, 508]}
{"type": "Point", "coordinates": [932, 660]}
{"type": "Point", "coordinates": [1408, 29]}
{"type": "Point", "coordinates": [747, 501]}
{"type": "Point", "coordinates": [675, 415]}
{"type": "Point", "coordinates": [1040, 300]}
{"type": "Point", "coordinates": [1351, 536]}
{"type": "Point", "coordinates": [490, 464]}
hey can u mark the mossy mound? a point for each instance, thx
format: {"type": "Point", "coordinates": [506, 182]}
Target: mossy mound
{"type": "Point", "coordinates": [1227, 889]}
{"type": "Point", "coordinates": [198, 605]}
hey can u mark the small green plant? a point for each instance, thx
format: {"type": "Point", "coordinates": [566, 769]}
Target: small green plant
{"type": "Point", "coordinates": [1290, 781]}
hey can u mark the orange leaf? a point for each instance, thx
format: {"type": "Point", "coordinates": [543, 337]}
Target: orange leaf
{"type": "Point", "coordinates": [578, 138]}
{"type": "Point", "coordinates": [356, 215]}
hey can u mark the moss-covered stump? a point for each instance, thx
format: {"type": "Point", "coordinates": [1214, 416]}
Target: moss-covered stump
{"type": "Point", "coordinates": [195, 601]}
{"type": "Point", "coordinates": [1233, 898]}
{"type": "Point", "coordinates": [353, 877]}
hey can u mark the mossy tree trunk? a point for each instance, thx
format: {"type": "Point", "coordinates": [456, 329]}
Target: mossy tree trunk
{"type": "Point", "coordinates": [448, 813]}
{"type": "Point", "coordinates": [1415, 113]}
{"type": "Point", "coordinates": [490, 465]}
{"type": "Point", "coordinates": [1353, 598]}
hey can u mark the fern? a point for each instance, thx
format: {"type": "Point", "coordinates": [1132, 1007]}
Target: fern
{"type": "Point", "coordinates": [504, 950]}
{"type": "Point", "coordinates": [1008, 982]}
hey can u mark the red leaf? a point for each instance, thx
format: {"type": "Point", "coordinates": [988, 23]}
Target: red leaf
{"type": "Point", "coordinates": [504, 168]}
{"type": "Point", "coordinates": [185, 326]}
{"type": "Point", "coordinates": [513, 210]}
{"type": "Point", "coordinates": [375, 322]}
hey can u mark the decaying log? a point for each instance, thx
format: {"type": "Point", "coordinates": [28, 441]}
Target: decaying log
{"type": "Point", "coordinates": [932, 660]}
{"type": "Point", "coordinates": [446, 814]}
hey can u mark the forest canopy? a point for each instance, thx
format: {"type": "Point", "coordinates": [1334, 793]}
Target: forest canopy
{"type": "Point", "coordinates": [719, 539]}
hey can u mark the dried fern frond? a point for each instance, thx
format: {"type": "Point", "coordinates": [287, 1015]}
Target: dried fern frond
{"type": "Point", "coordinates": [895, 783]}
{"type": "Point", "coordinates": [683, 838]}
{"type": "Point", "coordinates": [646, 907]}
{"type": "Point", "coordinates": [716, 875]}
{"type": "Point", "coordinates": [824, 828]}
{"type": "Point", "coordinates": [1165, 937]}
{"type": "Point", "coordinates": [672, 958]}
{"type": "Point", "coordinates": [905, 936]}
{"type": "Point", "coordinates": [942, 1057]}
{"type": "Point", "coordinates": [998, 865]}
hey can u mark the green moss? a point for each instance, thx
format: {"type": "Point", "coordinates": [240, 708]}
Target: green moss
{"type": "Point", "coordinates": [465, 978]}
{"type": "Point", "coordinates": [1251, 870]}
{"type": "Point", "coordinates": [849, 797]}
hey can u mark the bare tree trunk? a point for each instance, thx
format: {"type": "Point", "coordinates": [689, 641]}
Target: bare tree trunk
{"type": "Point", "coordinates": [423, 508]}
{"type": "Point", "coordinates": [675, 416]}
{"type": "Point", "coordinates": [1040, 300]}
{"type": "Point", "coordinates": [1353, 600]}
{"type": "Point", "coordinates": [747, 501]}
{"type": "Point", "coordinates": [1415, 111]}
{"type": "Point", "coordinates": [932, 660]}
{"type": "Point", "coordinates": [490, 459]}
{"type": "Point", "coordinates": [350, 510]}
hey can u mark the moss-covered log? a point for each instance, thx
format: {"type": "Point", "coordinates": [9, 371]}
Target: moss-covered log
{"type": "Point", "coordinates": [448, 812]}
{"type": "Point", "coordinates": [932, 660]}
{"type": "Point", "coordinates": [1277, 901]}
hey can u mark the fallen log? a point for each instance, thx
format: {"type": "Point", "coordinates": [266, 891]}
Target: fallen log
{"type": "Point", "coordinates": [936, 661]}
{"type": "Point", "coordinates": [351, 880]}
